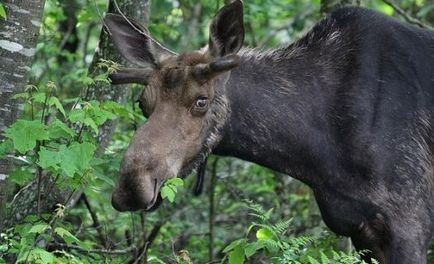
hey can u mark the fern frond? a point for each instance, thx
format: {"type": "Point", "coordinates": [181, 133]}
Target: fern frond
{"type": "Point", "coordinates": [281, 226]}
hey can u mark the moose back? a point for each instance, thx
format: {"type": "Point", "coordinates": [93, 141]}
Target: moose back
{"type": "Point", "coordinates": [348, 109]}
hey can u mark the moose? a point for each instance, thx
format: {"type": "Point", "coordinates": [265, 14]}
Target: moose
{"type": "Point", "coordinates": [348, 109]}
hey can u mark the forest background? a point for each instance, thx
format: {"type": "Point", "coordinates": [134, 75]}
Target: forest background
{"type": "Point", "coordinates": [64, 129]}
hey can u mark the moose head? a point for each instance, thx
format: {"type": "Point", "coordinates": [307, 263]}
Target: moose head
{"type": "Point", "coordinates": [184, 103]}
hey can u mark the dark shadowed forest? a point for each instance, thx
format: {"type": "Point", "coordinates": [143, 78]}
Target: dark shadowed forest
{"type": "Point", "coordinates": [64, 130]}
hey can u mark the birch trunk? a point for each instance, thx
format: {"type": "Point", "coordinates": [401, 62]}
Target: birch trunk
{"type": "Point", "coordinates": [24, 202]}
{"type": "Point", "coordinates": [18, 36]}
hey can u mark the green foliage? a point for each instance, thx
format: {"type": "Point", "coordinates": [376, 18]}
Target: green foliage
{"type": "Point", "coordinates": [272, 239]}
{"type": "Point", "coordinates": [25, 133]}
{"type": "Point", "coordinates": [170, 188]}
{"type": "Point", "coordinates": [56, 138]}
{"type": "Point", "coordinates": [61, 147]}
{"type": "Point", "coordinates": [2, 11]}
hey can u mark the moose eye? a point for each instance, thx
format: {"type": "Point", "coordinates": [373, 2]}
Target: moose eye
{"type": "Point", "coordinates": [201, 104]}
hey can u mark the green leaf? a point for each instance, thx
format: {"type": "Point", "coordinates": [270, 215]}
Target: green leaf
{"type": "Point", "coordinates": [115, 108]}
{"type": "Point", "coordinates": [25, 134]}
{"type": "Point", "coordinates": [264, 234]}
{"type": "Point", "coordinates": [39, 228]}
{"type": "Point", "coordinates": [45, 256]}
{"type": "Point", "coordinates": [2, 11]}
{"type": "Point", "coordinates": [89, 122]}
{"type": "Point", "coordinates": [31, 218]}
{"type": "Point", "coordinates": [237, 255]}
{"type": "Point", "coordinates": [251, 248]}
{"type": "Point", "coordinates": [21, 96]}
{"type": "Point", "coordinates": [169, 189]}
{"type": "Point", "coordinates": [58, 129]}
{"type": "Point", "coordinates": [176, 182]}
{"type": "Point", "coordinates": [55, 101]}
{"type": "Point", "coordinates": [99, 115]}
{"type": "Point", "coordinates": [76, 158]}
{"type": "Point", "coordinates": [21, 176]}
{"type": "Point", "coordinates": [234, 244]}
{"type": "Point", "coordinates": [102, 78]}
{"type": "Point", "coordinates": [312, 260]}
{"type": "Point", "coordinates": [39, 97]}
{"type": "Point", "coordinates": [167, 192]}
{"type": "Point", "coordinates": [324, 258]}
{"type": "Point", "coordinates": [66, 235]}
{"type": "Point", "coordinates": [6, 147]}
{"type": "Point", "coordinates": [48, 158]}
{"type": "Point", "coordinates": [77, 115]}
{"type": "Point", "coordinates": [71, 159]}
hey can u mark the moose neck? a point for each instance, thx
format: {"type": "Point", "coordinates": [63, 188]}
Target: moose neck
{"type": "Point", "coordinates": [279, 102]}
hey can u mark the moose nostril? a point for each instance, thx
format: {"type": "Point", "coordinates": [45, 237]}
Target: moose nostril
{"type": "Point", "coordinates": [119, 203]}
{"type": "Point", "coordinates": [155, 182]}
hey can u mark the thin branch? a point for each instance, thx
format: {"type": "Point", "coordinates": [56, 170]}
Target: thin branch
{"type": "Point", "coordinates": [144, 250]}
{"type": "Point", "coordinates": [96, 223]}
{"type": "Point", "coordinates": [38, 192]}
{"type": "Point", "coordinates": [143, 254]}
{"type": "Point", "coordinates": [127, 250]}
{"type": "Point", "coordinates": [407, 17]}
{"type": "Point", "coordinates": [212, 209]}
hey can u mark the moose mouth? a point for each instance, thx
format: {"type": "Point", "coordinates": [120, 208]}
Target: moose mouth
{"type": "Point", "coordinates": [134, 198]}
{"type": "Point", "coordinates": [156, 200]}
{"type": "Point", "coordinates": [155, 203]}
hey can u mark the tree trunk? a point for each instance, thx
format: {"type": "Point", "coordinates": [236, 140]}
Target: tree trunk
{"type": "Point", "coordinates": [18, 36]}
{"type": "Point", "coordinates": [24, 202]}
{"type": "Point", "coordinates": [139, 10]}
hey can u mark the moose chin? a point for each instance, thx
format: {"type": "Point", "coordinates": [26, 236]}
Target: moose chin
{"type": "Point", "coordinates": [348, 109]}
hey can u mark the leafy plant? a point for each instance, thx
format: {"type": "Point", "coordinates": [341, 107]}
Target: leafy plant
{"type": "Point", "coordinates": [2, 11]}
{"type": "Point", "coordinates": [56, 136]}
{"type": "Point", "coordinates": [54, 143]}
{"type": "Point", "coordinates": [170, 188]}
{"type": "Point", "coordinates": [272, 239]}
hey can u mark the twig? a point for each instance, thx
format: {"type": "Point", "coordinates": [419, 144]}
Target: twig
{"type": "Point", "coordinates": [96, 223]}
{"type": "Point", "coordinates": [212, 209]}
{"type": "Point", "coordinates": [143, 254]}
{"type": "Point", "coordinates": [144, 250]}
{"type": "Point", "coordinates": [127, 250]}
{"type": "Point", "coordinates": [38, 192]}
{"type": "Point", "coordinates": [252, 34]}
{"type": "Point", "coordinates": [142, 32]}
{"type": "Point", "coordinates": [145, 238]}
{"type": "Point", "coordinates": [407, 17]}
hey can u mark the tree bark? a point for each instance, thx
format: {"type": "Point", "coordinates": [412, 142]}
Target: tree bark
{"type": "Point", "coordinates": [139, 10]}
{"type": "Point", "coordinates": [18, 37]}
{"type": "Point", "coordinates": [24, 202]}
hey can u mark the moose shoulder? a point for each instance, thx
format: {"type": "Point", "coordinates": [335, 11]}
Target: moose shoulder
{"type": "Point", "coordinates": [347, 109]}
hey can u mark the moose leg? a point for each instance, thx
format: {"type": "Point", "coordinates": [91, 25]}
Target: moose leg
{"type": "Point", "coordinates": [372, 249]}
{"type": "Point", "coordinates": [370, 239]}
{"type": "Point", "coordinates": [405, 252]}
{"type": "Point", "coordinates": [408, 248]}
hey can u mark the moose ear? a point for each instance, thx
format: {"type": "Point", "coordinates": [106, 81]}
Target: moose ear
{"type": "Point", "coordinates": [227, 30]}
{"type": "Point", "coordinates": [134, 42]}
